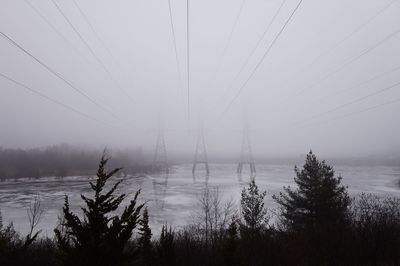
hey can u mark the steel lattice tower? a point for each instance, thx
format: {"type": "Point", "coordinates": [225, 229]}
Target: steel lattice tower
{"type": "Point", "coordinates": [246, 155]}
{"type": "Point", "coordinates": [200, 156]}
{"type": "Point", "coordinates": [160, 188]}
{"type": "Point", "coordinates": [160, 161]}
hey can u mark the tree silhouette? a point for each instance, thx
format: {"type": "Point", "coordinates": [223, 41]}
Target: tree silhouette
{"type": "Point", "coordinates": [145, 239]}
{"type": "Point", "coordinates": [319, 199]}
{"type": "Point", "coordinates": [100, 238]}
{"type": "Point", "coordinates": [254, 213]}
{"type": "Point", "coordinates": [230, 244]}
{"type": "Point", "coordinates": [166, 246]}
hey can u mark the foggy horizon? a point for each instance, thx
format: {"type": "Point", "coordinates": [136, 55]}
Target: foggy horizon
{"type": "Point", "coordinates": [199, 132]}
{"type": "Point", "coordinates": [322, 78]}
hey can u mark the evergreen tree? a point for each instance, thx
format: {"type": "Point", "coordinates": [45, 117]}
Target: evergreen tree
{"type": "Point", "coordinates": [231, 244]}
{"type": "Point", "coordinates": [145, 239]}
{"type": "Point", "coordinates": [319, 199]}
{"type": "Point", "coordinates": [233, 230]}
{"type": "Point", "coordinates": [254, 213]}
{"type": "Point", "coordinates": [166, 246]}
{"type": "Point", "coordinates": [100, 238]}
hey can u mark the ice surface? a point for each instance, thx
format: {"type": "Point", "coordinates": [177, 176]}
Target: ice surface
{"type": "Point", "coordinates": [172, 200]}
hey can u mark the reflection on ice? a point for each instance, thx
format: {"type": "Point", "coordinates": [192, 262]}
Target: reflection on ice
{"type": "Point", "coordinates": [172, 197]}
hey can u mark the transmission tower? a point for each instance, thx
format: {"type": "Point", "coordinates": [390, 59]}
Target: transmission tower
{"type": "Point", "coordinates": [246, 155]}
{"type": "Point", "coordinates": [200, 156]}
{"type": "Point", "coordinates": [160, 162]}
{"type": "Point", "coordinates": [160, 188]}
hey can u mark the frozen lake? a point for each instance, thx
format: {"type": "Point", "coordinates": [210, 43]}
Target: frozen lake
{"type": "Point", "coordinates": [173, 198]}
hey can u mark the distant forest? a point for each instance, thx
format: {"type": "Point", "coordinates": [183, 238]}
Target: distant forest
{"type": "Point", "coordinates": [65, 160]}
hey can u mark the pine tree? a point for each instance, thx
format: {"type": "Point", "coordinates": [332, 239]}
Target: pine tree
{"type": "Point", "coordinates": [319, 199]}
{"type": "Point", "coordinates": [254, 213]}
{"type": "Point", "coordinates": [144, 242]}
{"type": "Point", "coordinates": [100, 238]}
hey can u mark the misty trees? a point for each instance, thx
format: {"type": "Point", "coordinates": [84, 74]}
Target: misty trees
{"type": "Point", "coordinates": [63, 160]}
{"type": "Point", "coordinates": [319, 199]}
{"type": "Point", "coordinates": [254, 213]}
{"type": "Point", "coordinates": [100, 238]}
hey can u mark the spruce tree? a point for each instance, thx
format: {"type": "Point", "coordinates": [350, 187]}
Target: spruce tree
{"type": "Point", "coordinates": [319, 198]}
{"type": "Point", "coordinates": [144, 242]}
{"type": "Point", "coordinates": [254, 213]}
{"type": "Point", "coordinates": [101, 237]}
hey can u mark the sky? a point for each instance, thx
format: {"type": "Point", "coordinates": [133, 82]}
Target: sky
{"type": "Point", "coordinates": [314, 74]}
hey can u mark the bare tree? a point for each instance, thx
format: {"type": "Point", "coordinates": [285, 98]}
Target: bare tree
{"type": "Point", "coordinates": [35, 212]}
{"type": "Point", "coordinates": [213, 215]}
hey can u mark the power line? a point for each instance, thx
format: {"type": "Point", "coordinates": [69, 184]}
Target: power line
{"type": "Point", "coordinates": [175, 46]}
{"type": "Point", "coordinates": [49, 98]}
{"type": "Point", "coordinates": [90, 49]}
{"type": "Point", "coordinates": [222, 57]}
{"type": "Point", "coordinates": [356, 112]}
{"type": "Point", "coordinates": [351, 34]}
{"type": "Point", "coordinates": [99, 39]}
{"type": "Point", "coordinates": [362, 83]}
{"type": "Point", "coordinates": [262, 58]}
{"type": "Point", "coordinates": [254, 49]}
{"type": "Point", "coordinates": [55, 73]}
{"type": "Point", "coordinates": [55, 30]}
{"type": "Point", "coordinates": [188, 57]}
{"type": "Point", "coordinates": [352, 102]}
{"type": "Point", "coordinates": [348, 62]}
{"type": "Point", "coordinates": [347, 37]}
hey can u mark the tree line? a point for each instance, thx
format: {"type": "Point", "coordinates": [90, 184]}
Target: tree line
{"type": "Point", "coordinates": [64, 160]}
{"type": "Point", "coordinates": [316, 223]}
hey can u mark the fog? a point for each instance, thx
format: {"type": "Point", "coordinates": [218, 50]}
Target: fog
{"type": "Point", "coordinates": [327, 82]}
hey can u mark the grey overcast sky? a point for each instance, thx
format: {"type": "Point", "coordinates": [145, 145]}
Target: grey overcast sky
{"type": "Point", "coordinates": [328, 81]}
